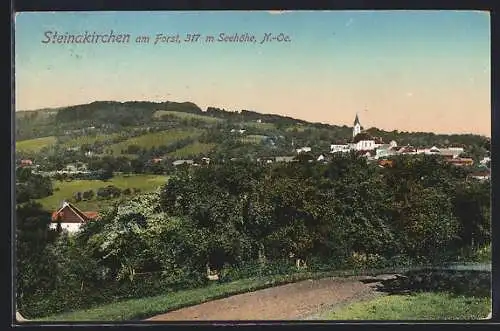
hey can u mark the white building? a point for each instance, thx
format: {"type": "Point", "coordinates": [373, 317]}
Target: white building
{"type": "Point", "coordinates": [340, 148]}
{"type": "Point", "coordinates": [362, 141]}
{"type": "Point", "coordinates": [485, 160]}
{"type": "Point", "coordinates": [71, 218]}
{"type": "Point", "coordinates": [303, 150]}
{"type": "Point", "coordinates": [384, 151]}
{"type": "Point", "coordinates": [365, 145]}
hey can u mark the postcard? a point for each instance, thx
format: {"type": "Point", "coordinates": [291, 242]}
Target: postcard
{"type": "Point", "coordinates": [252, 166]}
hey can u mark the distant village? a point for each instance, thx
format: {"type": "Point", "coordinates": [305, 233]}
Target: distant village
{"type": "Point", "coordinates": [374, 149]}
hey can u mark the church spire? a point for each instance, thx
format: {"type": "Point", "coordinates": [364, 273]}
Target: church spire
{"type": "Point", "coordinates": [357, 126]}
{"type": "Point", "coordinates": [356, 120]}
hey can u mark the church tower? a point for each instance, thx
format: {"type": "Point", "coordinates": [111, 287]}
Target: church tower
{"type": "Point", "coordinates": [357, 127]}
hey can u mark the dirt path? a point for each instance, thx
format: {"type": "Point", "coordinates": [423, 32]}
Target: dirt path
{"type": "Point", "coordinates": [302, 300]}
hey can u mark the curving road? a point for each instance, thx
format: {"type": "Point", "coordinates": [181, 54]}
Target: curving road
{"type": "Point", "coordinates": [302, 300]}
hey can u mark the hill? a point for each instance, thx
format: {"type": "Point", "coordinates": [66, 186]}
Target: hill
{"type": "Point", "coordinates": [182, 129]}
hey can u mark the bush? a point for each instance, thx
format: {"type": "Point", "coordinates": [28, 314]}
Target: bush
{"type": "Point", "coordinates": [72, 296]}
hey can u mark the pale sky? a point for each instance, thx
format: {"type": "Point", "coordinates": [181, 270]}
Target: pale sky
{"type": "Point", "coordinates": [400, 70]}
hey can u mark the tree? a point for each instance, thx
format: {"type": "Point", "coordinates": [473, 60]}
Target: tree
{"type": "Point", "coordinates": [472, 208]}
{"type": "Point", "coordinates": [78, 196]}
{"type": "Point", "coordinates": [34, 263]}
{"type": "Point", "coordinates": [88, 195]}
{"type": "Point", "coordinates": [105, 175]}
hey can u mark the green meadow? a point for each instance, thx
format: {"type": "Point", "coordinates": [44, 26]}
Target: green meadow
{"type": "Point", "coordinates": [253, 139]}
{"type": "Point", "coordinates": [91, 139]}
{"type": "Point", "coordinates": [158, 114]}
{"type": "Point", "coordinates": [192, 149]}
{"type": "Point", "coordinates": [155, 139]}
{"type": "Point", "coordinates": [66, 189]}
{"type": "Point", "coordinates": [262, 126]}
{"type": "Point", "coordinates": [35, 145]}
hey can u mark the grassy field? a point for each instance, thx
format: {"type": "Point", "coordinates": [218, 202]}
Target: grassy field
{"type": "Point", "coordinates": [67, 189]}
{"type": "Point", "coordinates": [263, 126]}
{"type": "Point", "coordinates": [421, 306]}
{"type": "Point", "coordinates": [253, 139]}
{"type": "Point", "coordinates": [135, 309]}
{"type": "Point", "coordinates": [158, 114]}
{"type": "Point", "coordinates": [91, 139]}
{"type": "Point", "coordinates": [192, 149]}
{"type": "Point", "coordinates": [299, 128]}
{"type": "Point", "coordinates": [34, 145]}
{"type": "Point", "coordinates": [154, 139]}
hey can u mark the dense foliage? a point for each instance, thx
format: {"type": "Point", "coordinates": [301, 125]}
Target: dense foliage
{"type": "Point", "coordinates": [243, 219]}
{"type": "Point", "coordinates": [31, 186]}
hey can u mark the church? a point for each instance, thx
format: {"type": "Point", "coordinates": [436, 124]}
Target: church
{"type": "Point", "coordinates": [361, 141]}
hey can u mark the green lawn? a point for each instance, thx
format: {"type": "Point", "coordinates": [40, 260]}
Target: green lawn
{"type": "Point", "coordinates": [181, 115]}
{"type": "Point", "coordinates": [67, 188]}
{"type": "Point", "coordinates": [421, 306]}
{"type": "Point", "coordinates": [192, 149]}
{"type": "Point", "coordinates": [155, 139]}
{"type": "Point", "coordinates": [34, 145]}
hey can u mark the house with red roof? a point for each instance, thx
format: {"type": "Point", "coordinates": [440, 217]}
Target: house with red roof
{"type": "Point", "coordinates": [481, 174]}
{"type": "Point", "coordinates": [71, 218]}
{"type": "Point", "coordinates": [461, 161]}
{"type": "Point", "coordinates": [26, 163]}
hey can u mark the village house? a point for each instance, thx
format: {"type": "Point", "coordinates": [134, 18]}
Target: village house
{"type": "Point", "coordinates": [365, 142]}
{"type": "Point", "coordinates": [450, 153]}
{"type": "Point", "coordinates": [481, 174]}
{"type": "Point", "coordinates": [408, 150]}
{"type": "Point", "coordinates": [303, 150]}
{"type": "Point", "coordinates": [26, 163]}
{"type": "Point", "coordinates": [265, 159]}
{"type": "Point", "coordinates": [386, 163]}
{"type": "Point", "coordinates": [485, 160]}
{"type": "Point", "coordinates": [156, 160]}
{"type": "Point", "coordinates": [285, 159]}
{"type": "Point", "coordinates": [205, 160]}
{"type": "Point", "coordinates": [71, 218]}
{"type": "Point", "coordinates": [461, 161]}
{"type": "Point", "coordinates": [340, 147]}
{"type": "Point", "coordinates": [386, 150]}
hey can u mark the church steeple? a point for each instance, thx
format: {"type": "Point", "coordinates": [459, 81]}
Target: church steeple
{"type": "Point", "coordinates": [357, 126]}
{"type": "Point", "coordinates": [356, 120]}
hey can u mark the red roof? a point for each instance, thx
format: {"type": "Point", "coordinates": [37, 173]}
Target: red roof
{"type": "Point", "coordinates": [73, 214]}
{"type": "Point", "coordinates": [91, 214]}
